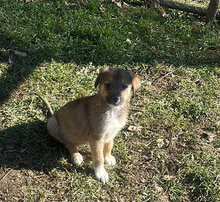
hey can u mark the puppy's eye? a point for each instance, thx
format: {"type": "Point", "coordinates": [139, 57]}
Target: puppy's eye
{"type": "Point", "coordinates": [108, 85]}
{"type": "Point", "coordinates": [124, 86]}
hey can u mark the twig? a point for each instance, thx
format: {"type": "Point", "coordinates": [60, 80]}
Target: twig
{"type": "Point", "coordinates": [178, 6]}
{"type": "Point", "coordinates": [161, 78]}
{"type": "Point", "coordinates": [4, 176]}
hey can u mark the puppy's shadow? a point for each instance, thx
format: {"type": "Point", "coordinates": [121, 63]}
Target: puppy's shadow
{"type": "Point", "coordinates": [27, 146]}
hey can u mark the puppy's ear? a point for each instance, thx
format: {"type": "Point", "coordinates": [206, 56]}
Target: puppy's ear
{"type": "Point", "coordinates": [101, 71]}
{"type": "Point", "coordinates": [136, 84]}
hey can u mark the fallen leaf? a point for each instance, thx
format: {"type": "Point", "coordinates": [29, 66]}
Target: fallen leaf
{"type": "Point", "coordinates": [117, 3]}
{"type": "Point", "coordinates": [80, 2]}
{"type": "Point", "coordinates": [22, 150]}
{"type": "Point", "coordinates": [125, 5]}
{"type": "Point", "coordinates": [128, 40]}
{"type": "Point", "coordinates": [153, 48]}
{"type": "Point", "coordinates": [30, 1]}
{"type": "Point", "coordinates": [134, 128]}
{"type": "Point", "coordinates": [69, 4]}
{"type": "Point", "coordinates": [102, 9]}
{"type": "Point", "coordinates": [158, 188]}
{"type": "Point", "coordinates": [10, 59]}
{"type": "Point", "coordinates": [162, 197]}
{"type": "Point", "coordinates": [19, 53]}
{"type": "Point", "coordinates": [168, 177]}
{"type": "Point", "coordinates": [160, 143]}
{"type": "Point", "coordinates": [196, 30]}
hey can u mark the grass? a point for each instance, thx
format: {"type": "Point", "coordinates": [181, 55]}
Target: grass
{"type": "Point", "coordinates": [169, 149]}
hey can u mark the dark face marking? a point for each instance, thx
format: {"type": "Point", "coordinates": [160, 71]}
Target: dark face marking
{"type": "Point", "coordinates": [116, 82]}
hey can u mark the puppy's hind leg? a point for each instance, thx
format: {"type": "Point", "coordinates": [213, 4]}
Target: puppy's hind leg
{"type": "Point", "coordinates": [54, 129]}
{"type": "Point", "coordinates": [76, 157]}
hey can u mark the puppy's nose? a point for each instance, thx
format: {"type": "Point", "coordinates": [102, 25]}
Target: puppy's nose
{"type": "Point", "coordinates": [115, 99]}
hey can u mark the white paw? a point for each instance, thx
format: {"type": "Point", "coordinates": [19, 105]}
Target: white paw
{"type": "Point", "coordinates": [77, 160]}
{"type": "Point", "coordinates": [111, 161]}
{"type": "Point", "coordinates": [101, 174]}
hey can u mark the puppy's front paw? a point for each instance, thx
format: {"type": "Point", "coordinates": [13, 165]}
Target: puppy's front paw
{"type": "Point", "coordinates": [111, 161]}
{"type": "Point", "coordinates": [101, 174]}
{"type": "Point", "coordinates": [77, 159]}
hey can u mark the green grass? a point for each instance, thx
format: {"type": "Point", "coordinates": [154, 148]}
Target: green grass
{"type": "Point", "coordinates": [170, 148]}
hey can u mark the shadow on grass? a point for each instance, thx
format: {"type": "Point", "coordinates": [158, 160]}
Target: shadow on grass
{"type": "Point", "coordinates": [15, 74]}
{"type": "Point", "coordinates": [27, 146]}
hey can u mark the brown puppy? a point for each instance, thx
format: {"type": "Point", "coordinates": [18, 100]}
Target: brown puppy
{"type": "Point", "coordinates": [96, 119]}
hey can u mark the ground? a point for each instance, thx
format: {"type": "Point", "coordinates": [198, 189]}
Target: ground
{"type": "Point", "coordinates": [170, 147]}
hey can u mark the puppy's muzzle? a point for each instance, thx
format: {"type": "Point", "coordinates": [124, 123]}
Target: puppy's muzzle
{"type": "Point", "coordinates": [115, 100]}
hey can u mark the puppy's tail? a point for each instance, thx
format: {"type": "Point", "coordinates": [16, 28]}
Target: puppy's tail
{"type": "Point", "coordinates": [47, 104]}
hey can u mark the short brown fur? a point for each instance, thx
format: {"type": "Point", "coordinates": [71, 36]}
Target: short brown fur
{"type": "Point", "coordinates": [96, 119]}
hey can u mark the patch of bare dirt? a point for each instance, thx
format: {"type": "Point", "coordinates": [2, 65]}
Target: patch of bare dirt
{"type": "Point", "coordinates": [11, 181]}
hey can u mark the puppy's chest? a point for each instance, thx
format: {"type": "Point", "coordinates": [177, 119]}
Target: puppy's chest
{"type": "Point", "coordinates": [113, 123]}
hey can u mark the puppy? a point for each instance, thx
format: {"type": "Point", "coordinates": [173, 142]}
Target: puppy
{"type": "Point", "coordinates": [96, 119]}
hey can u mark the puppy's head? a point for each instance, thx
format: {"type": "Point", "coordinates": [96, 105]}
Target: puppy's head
{"type": "Point", "coordinates": [117, 85]}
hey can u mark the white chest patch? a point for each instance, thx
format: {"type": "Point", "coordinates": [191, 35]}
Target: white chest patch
{"type": "Point", "coordinates": [112, 125]}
